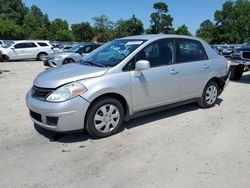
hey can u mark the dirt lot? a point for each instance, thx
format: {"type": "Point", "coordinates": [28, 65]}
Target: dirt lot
{"type": "Point", "coordinates": [181, 147]}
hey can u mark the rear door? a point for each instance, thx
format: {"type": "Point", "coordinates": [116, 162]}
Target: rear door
{"type": "Point", "coordinates": [195, 67]}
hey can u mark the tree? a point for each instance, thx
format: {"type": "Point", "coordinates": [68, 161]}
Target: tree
{"type": "Point", "coordinates": [83, 31]}
{"type": "Point", "coordinates": [183, 30]}
{"type": "Point", "coordinates": [13, 10]}
{"type": "Point", "coordinates": [133, 26]}
{"type": "Point", "coordinates": [103, 29]}
{"type": "Point", "coordinates": [10, 30]}
{"type": "Point", "coordinates": [36, 24]}
{"type": "Point", "coordinates": [64, 35]}
{"type": "Point", "coordinates": [161, 21]}
{"type": "Point", "coordinates": [233, 22]}
{"type": "Point", "coordinates": [206, 31]}
{"type": "Point", "coordinates": [58, 25]}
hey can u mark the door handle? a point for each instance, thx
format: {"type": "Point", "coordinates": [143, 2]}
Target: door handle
{"type": "Point", "coordinates": [206, 66]}
{"type": "Point", "coordinates": [174, 71]}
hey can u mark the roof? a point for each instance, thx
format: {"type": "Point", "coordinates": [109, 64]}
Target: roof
{"type": "Point", "coordinates": [157, 36]}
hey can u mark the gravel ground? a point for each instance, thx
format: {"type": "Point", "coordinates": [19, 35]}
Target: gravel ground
{"type": "Point", "coordinates": [181, 147]}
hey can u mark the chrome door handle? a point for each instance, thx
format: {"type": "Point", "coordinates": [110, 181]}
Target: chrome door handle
{"type": "Point", "coordinates": [174, 71]}
{"type": "Point", "coordinates": [206, 66]}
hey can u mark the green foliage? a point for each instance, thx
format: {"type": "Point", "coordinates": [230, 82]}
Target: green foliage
{"type": "Point", "coordinates": [161, 21]}
{"type": "Point", "coordinates": [57, 27]}
{"type": "Point", "coordinates": [206, 31]}
{"type": "Point", "coordinates": [36, 24]}
{"type": "Point", "coordinates": [63, 35]}
{"type": "Point", "coordinates": [83, 31]}
{"type": "Point", "coordinates": [103, 28]}
{"type": "Point", "coordinates": [183, 30]}
{"type": "Point", "coordinates": [232, 24]}
{"type": "Point", "coordinates": [13, 10]}
{"type": "Point", "coordinates": [10, 30]}
{"type": "Point", "coordinates": [133, 26]}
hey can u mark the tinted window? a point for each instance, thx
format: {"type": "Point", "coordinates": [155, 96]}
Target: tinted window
{"type": "Point", "coordinates": [190, 50]}
{"type": "Point", "coordinates": [158, 53]}
{"type": "Point", "coordinates": [25, 45]}
{"type": "Point", "coordinates": [42, 44]}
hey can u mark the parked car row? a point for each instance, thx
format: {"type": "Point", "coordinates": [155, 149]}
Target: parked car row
{"type": "Point", "coordinates": [44, 51]}
{"type": "Point", "coordinates": [72, 55]}
{"type": "Point", "coordinates": [126, 78]}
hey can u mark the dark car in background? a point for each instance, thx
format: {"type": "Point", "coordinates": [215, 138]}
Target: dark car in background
{"type": "Point", "coordinates": [240, 61]}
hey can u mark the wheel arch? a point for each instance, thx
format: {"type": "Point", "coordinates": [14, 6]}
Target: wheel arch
{"type": "Point", "coordinates": [116, 96]}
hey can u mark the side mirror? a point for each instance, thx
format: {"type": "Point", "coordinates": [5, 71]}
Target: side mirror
{"type": "Point", "coordinates": [12, 48]}
{"type": "Point", "coordinates": [246, 55]}
{"type": "Point", "coordinates": [142, 65]}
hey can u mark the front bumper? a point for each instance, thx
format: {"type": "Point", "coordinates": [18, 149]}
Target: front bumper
{"type": "Point", "coordinates": [70, 114]}
{"type": "Point", "coordinates": [52, 62]}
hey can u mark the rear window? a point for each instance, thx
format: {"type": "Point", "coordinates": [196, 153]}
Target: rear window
{"type": "Point", "coordinates": [190, 50]}
{"type": "Point", "coordinates": [42, 44]}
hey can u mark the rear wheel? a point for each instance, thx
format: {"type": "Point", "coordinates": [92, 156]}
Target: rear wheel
{"type": "Point", "coordinates": [68, 61]}
{"type": "Point", "coordinates": [105, 117]}
{"type": "Point", "coordinates": [210, 95]}
{"type": "Point", "coordinates": [41, 56]}
{"type": "Point", "coordinates": [236, 72]}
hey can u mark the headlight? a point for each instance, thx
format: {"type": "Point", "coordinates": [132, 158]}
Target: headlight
{"type": "Point", "coordinates": [67, 92]}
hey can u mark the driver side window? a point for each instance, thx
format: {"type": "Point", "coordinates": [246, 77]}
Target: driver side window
{"type": "Point", "coordinates": [159, 53]}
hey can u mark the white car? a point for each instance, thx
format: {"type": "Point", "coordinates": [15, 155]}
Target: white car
{"type": "Point", "coordinates": [26, 50]}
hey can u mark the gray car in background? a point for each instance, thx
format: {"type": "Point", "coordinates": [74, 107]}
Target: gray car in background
{"type": "Point", "coordinates": [126, 78]}
{"type": "Point", "coordinates": [74, 54]}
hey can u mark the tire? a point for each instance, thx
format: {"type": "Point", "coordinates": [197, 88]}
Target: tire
{"type": "Point", "coordinates": [100, 121]}
{"type": "Point", "coordinates": [236, 72]}
{"type": "Point", "coordinates": [41, 56]}
{"type": "Point", "coordinates": [5, 58]}
{"type": "Point", "coordinates": [68, 61]}
{"type": "Point", "coordinates": [209, 95]}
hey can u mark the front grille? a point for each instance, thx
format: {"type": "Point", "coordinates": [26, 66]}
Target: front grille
{"type": "Point", "coordinates": [36, 116]}
{"type": "Point", "coordinates": [41, 93]}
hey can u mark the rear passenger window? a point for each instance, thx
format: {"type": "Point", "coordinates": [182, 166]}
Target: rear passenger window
{"type": "Point", "coordinates": [31, 45]}
{"type": "Point", "coordinates": [42, 44]}
{"type": "Point", "coordinates": [190, 50]}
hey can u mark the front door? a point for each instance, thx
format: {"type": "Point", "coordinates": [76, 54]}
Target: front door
{"type": "Point", "coordinates": [160, 84]}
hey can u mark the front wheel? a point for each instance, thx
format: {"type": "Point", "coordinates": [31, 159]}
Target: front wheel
{"type": "Point", "coordinates": [105, 117]}
{"type": "Point", "coordinates": [210, 95]}
{"type": "Point", "coordinates": [68, 61]}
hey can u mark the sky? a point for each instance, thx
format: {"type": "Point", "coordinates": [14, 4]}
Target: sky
{"type": "Point", "coordinates": [189, 12]}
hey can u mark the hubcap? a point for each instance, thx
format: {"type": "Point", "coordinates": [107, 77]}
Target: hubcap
{"type": "Point", "coordinates": [42, 57]}
{"type": "Point", "coordinates": [106, 118]}
{"type": "Point", "coordinates": [68, 61]}
{"type": "Point", "coordinates": [211, 94]}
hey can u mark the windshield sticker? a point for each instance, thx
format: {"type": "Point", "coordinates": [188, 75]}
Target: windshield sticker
{"type": "Point", "coordinates": [134, 43]}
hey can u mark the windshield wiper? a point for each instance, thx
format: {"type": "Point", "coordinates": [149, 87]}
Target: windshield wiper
{"type": "Point", "coordinates": [93, 64]}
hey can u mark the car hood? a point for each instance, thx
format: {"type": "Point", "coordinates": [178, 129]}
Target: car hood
{"type": "Point", "coordinates": [58, 76]}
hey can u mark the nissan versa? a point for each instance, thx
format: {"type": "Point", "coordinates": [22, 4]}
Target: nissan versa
{"type": "Point", "coordinates": [126, 78]}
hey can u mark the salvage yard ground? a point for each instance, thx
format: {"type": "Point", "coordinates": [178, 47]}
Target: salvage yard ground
{"type": "Point", "coordinates": [181, 147]}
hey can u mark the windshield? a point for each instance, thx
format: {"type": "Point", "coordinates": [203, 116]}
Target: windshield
{"type": "Point", "coordinates": [6, 45]}
{"type": "Point", "coordinates": [75, 49]}
{"type": "Point", "coordinates": [112, 53]}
